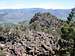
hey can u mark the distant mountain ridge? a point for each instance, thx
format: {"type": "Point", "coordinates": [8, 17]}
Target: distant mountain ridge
{"type": "Point", "coordinates": [17, 15]}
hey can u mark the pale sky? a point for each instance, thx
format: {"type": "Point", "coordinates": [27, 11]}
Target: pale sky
{"type": "Point", "coordinates": [47, 4]}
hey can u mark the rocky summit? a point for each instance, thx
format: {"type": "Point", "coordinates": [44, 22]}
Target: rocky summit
{"type": "Point", "coordinates": [33, 39]}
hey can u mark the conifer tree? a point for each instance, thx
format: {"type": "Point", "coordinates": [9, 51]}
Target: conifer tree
{"type": "Point", "coordinates": [68, 30]}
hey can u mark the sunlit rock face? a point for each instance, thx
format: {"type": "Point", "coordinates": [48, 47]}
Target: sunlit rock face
{"type": "Point", "coordinates": [35, 43]}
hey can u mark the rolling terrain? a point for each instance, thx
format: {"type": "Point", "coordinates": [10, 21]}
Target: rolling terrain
{"type": "Point", "coordinates": [17, 15]}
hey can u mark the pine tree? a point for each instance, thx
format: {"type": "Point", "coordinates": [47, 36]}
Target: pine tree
{"type": "Point", "coordinates": [68, 30]}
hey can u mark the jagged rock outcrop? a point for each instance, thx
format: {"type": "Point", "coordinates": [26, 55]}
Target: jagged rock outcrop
{"type": "Point", "coordinates": [46, 20]}
{"type": "Point", "coordinates": [34, 43]}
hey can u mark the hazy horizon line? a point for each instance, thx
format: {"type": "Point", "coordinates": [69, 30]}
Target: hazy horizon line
{"type": "Point", "coordinates": [34, 8]}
